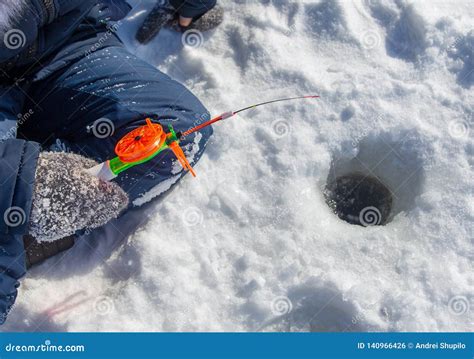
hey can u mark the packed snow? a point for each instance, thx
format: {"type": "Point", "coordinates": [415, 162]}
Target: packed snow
{"type": "Point", "coordinates": [251, 244]}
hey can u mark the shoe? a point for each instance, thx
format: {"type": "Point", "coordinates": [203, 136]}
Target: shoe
{"type": "Point", "coordinates": [37, 252]}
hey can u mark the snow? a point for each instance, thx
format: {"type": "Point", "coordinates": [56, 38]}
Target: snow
{"type": "Point", "coordinates": [251, 243]}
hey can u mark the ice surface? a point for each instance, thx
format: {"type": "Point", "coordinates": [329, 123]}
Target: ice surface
{"type": "Point", "coordinates": [251, 244]}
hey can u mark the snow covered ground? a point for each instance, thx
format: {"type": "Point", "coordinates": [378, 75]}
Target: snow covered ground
{"type": "Point", "coordinates": [251, 243]}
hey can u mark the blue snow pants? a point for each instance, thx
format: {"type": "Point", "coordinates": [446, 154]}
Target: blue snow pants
{"type": "Point", "coordinates": [89, 104]}
{"type": "Point", "coordinates": [73, 86]}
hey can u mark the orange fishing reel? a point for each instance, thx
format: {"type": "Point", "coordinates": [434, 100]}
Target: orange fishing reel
{"type": "Point", "coordinates": [144, 143]}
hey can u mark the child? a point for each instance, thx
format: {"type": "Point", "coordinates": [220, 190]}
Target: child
{"type": "Point", "coordinates": [68, 83]}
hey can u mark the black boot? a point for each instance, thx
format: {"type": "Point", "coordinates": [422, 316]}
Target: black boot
{"type": "Point", "coordinates": [37, 252]}
{"type": "Point", "coordinates": [162, 16]}
{"type": "Point", "coordinates": [158, 17]}
{"type": "Point", "coordinates": [210, 20]}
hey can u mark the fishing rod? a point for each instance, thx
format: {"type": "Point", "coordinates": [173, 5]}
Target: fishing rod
{"type": "Point", "coordinates": [147, 141]}
{"type": "Point", "coordinates": [226, 115]}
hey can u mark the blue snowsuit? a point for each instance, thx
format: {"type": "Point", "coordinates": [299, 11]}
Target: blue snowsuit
{"type": "Point", "coordinates": [67, 70]}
